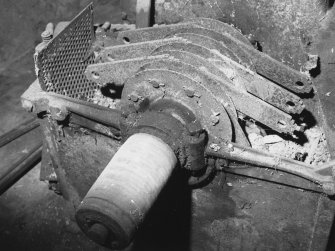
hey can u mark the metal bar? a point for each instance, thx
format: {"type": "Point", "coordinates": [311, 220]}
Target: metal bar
{"type": "Point", "coordinates": [117, 71]}
{"type": "Point", "coordinates": [150, 33]}
{"type": "Point", "coordinates": [264, 64]}
{"type": "Point", "coordinates": [259, 158]}
{"type": "Point", "coordinates": [95, 126]}
{"type": "Point", "coordinates": [98, 113]}
{"type": "Point", "coordinates": [277, 177]}
{"type": "Point", "coordinates": [137, 50]}
{"type": "Point", "coordinates": [18, 131]}
{"type": "Point", "coordinates": [20, 167]}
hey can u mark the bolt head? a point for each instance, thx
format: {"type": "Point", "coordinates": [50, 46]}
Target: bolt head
{"type": "Point", "coordinates": [221, 163]}
{"type": "Point", "coordinates": [45, 34]}
{"type": "Point", "coordinates": [27, 105]}
{"type": "Point", "coordinates": [134, 97]}
{"type": "Point", "coordinates": [58, 113]}
{"type": "Point", "coordinates": [214, 120]}
{"type": "Point", "coordinates": [155, 84]}
{"type": "Point", "coordinates": [189, 93]}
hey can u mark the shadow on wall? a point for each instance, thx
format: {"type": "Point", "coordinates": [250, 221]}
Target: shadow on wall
{"type": "Point", "coordinates": [22, 22]}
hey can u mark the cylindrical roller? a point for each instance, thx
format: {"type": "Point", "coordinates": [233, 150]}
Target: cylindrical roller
{"type": "Point", "coordinates": [118, 201]}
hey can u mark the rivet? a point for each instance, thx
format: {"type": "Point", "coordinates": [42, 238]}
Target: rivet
{"type": "Point", "coordinates": [155, 84]}
{"type": "Point", "coordinates": [134, 97]}
{"type": "Point", "coordinates": [214, 120]}
{"type": "Point", "coordinates": [189, 93]}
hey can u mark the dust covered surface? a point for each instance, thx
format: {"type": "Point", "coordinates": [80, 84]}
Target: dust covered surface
{"type": "Point", "coordinates": [282, 29]}
{"type": "Point", "coordinates": [84, 154]}
{"type": "Point", "coordinates": [100, 99]}
{"type": "Point", "coordinates": [258, 215]}
{"type": "Point", "coordinates": [312, 150]}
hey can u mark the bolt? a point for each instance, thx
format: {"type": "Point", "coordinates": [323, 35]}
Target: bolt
{"type": "Point", "coordinates": [106, 26]}
{"type": "Point", "coordinates": [58, 113]}
{"type": "Point", "coordinates": [214, 119]}
{"type": "Point", "coordinates": [230, 147]}
{"type": "Point", "coordinates": [123, 15]}
{"type": "Point", "coordinates": [27, 105]}
{"type": "Point", "coordinates": [189, 93]}
{"type": "Point", "coordinates": [46, 36]}
{"type": "Point", "coordinates": [221, 163]}
{"type": "Point", "coordinates": [215, 147]}
{"type": "Point", "coordinates": [155, 84]}
{"type": "Point", "coordinates": [98, 232]}
{"type": "Point", "coordinates": [194, 128]}
{"type": "Point", "coordinates": [134, 97]}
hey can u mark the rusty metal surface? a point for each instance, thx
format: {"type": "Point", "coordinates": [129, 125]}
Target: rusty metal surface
{"type": "Point", "coordinates": [220, 27]}
{"type": "Point", "coordinates": [264, 64]}
{"type": "Point", "coordinates": [204, 46]}
{"type": "Point", "coordinates": [325, 81]}
{"type": "Point", "coordinates": [253, 156]}
{"type": "Point", "coordinates": [47, 171]}
{"type": "Point", "coordinates": [263, 88]}
{"type": "Point", "coordinates": [62, 63]}
{"type": "Point", "coordinates": [214, 41]}
{"type": "Point", "coordinates": [243, 101]}
{"type": "Point", "coordinates": [242, 78]}
{"type": "Point", "coordinates": [284, 29]}
{"type": "Point", "coordinates": [257, 109]}
{"type": "Point", "coordinates": [137, 50]}
{"type": "Point", "coordinates": [78, 122]}
{"type": "Point", "coordinates": [59, 106]}
{"type": "Point", "coordinates": [117, 72]}
{"type": "Point", "coordinates": [187, 91]}
{"type": "Point", "coordinates": [151, 33]}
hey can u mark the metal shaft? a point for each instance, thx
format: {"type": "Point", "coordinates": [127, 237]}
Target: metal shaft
{"type": "Point", "coordinates": [18, 131]}
{"type": "Point", "coordinates": [124, 192]}
{"type": "Point", "coordinates": [19, 168]}
{"type": "Point", "coordinates": [256, 157]}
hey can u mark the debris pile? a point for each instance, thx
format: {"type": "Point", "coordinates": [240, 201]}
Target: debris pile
{"type": "Point", "coordinates": [313, 151]}
{"type": "Point", "coordinates": [102, 100]}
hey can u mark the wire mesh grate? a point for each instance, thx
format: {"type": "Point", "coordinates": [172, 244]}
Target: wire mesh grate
{"type": "Point", "coordinates": [63, 62]}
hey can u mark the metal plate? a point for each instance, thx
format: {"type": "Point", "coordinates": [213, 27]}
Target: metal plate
{"type": "Point", "coordinates": [63, 62]}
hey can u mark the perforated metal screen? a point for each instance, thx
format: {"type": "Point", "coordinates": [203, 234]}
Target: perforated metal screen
{"type": "Point", "coordinates": [63, 62]}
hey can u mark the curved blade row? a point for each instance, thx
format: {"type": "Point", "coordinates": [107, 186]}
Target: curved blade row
{"type": "Point", "coordinates": [216, 56]}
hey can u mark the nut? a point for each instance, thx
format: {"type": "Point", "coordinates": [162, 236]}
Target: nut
{"type": "Point", "coordinates": [154, 84]}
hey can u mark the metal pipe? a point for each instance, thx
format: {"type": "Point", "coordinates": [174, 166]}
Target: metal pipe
{"type": "Point", "coordinates": [259, 158]}
{"type": "Point", "coordinates": [18, 131]}
{"type": "Point", "coordinates": [20, 167]}
{"type": "Point", "coordinates": [92, 111]}
{"type": "Point", "coordinates": [122, 195]}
